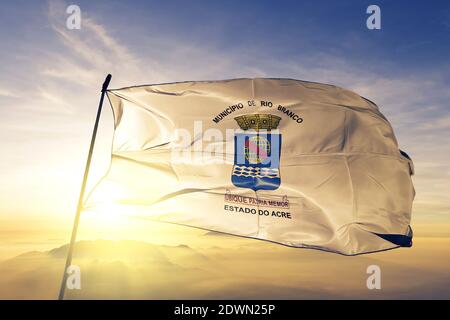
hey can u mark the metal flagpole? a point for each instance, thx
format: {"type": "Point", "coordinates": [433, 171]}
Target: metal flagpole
{"type": "Point", "coordinates": [83, 189]}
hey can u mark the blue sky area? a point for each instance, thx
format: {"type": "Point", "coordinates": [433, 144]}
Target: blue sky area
{"type": "Point", "coordinates": [50, 76]}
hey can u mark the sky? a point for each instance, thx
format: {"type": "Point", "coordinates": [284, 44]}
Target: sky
{"type": "Point", "coordinates": [50, 80]}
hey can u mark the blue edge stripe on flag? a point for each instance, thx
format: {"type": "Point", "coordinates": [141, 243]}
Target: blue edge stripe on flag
{"type": "Point", "coordinates": [398, 239]}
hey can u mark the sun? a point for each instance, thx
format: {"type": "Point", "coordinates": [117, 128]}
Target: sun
{"type": "Point", "coordinates": [108, 211]}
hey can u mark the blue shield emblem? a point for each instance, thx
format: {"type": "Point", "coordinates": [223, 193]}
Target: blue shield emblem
{"type": "Point", "coordinates": [257, 160]}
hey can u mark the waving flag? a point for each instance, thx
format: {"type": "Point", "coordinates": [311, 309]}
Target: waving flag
{"type": "Point", "coordinates": [297, 163]}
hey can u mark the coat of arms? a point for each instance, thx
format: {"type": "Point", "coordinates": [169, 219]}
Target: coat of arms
{"type": "Point", "coordinates": [257, 152]}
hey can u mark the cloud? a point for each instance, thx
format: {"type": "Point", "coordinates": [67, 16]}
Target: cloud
{"type": "Point", "coordinates": [86, 53]}
{"type": "Point", "coordinates": [439, 123]}
{"type": "Point", "coordinates": [254, 270]}
{"type": "Point", "coordinates": [8, 93]}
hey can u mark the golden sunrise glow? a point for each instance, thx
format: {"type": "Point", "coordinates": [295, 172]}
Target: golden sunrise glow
{"type": "Point", "coordinates": [50, 82]}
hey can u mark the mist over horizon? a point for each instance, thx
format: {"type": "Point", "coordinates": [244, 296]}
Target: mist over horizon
{"type": "Point", "coordinates": [250, 270]}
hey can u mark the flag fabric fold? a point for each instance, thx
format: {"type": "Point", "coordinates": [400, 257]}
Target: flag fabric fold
{"type": "Point", "coordinates": [293, 162]}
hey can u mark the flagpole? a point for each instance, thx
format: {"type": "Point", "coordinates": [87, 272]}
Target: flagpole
{"type": "Point", "coordinates": [83, 189]}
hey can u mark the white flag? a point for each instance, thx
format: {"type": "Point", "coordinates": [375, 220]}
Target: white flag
{"type": "Point", "coordinates": [293, 162]}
